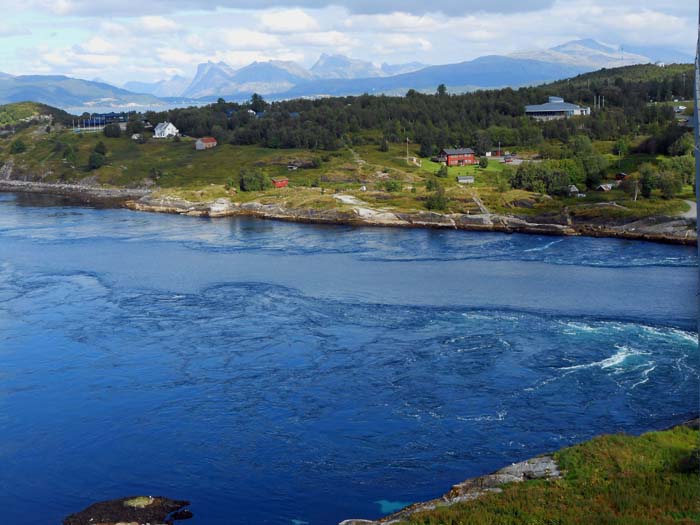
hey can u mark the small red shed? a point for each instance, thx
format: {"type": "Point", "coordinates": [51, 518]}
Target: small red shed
{"type": "Point", "coordinates": [280, 183]}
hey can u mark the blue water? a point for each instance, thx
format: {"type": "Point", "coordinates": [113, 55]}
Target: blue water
{"type": "Point", "coordinates": [279, 373]}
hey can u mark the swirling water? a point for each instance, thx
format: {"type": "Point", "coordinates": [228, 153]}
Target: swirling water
{"type": "Point", "coordinates": [281, 373]}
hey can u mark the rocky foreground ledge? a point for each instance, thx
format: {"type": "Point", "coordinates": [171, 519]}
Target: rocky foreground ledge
{"type": "Point", "coordinates": [672, 230]}
{"type": "Point", "coordinates": [542, 467]}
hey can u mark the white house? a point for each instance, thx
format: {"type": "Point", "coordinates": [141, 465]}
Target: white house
{"type": "Point", "coordinates": [165, 130]}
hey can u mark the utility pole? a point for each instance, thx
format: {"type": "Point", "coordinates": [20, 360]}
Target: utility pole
{"type": "Point", "coordinates": [696, 114]}
{"type": "Point", "coordinates": [407, 150]}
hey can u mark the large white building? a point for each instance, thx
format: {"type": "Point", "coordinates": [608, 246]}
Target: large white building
{"type": "Point", "coordinates": [165, 130]}
{"type": "Point", "coordinates": [555, 109]}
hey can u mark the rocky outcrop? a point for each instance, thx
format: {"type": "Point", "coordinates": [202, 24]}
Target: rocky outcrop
{"type": "Point", "coordinates": [542, 467]}
{"type": "Point", "coordinates": [72, 190]}
{"type": "Point", "coordinates": [138, 510]}
{"type": "Point", "coordinates": [658, 229]}
{"type": "Point", "coordinates": [676, 230]}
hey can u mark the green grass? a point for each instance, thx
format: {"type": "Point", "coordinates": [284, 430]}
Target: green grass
{"type": "Point", "coordinates": [176, 168]}
{"type": "Point", "coordinates": [610, 480]}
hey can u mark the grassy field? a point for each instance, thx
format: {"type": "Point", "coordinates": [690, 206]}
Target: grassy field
{"type": "Point", "coordinates": [611, 480]}
{"type": "Point", "coordinates": [382, 179]}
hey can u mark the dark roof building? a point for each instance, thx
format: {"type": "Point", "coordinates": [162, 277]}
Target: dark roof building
{"type": "Point", "coordinates": [457, 156]}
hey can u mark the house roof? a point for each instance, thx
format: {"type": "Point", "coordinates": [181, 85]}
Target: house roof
{"type": "Point", "coordinates": [458, 151]}
{"type": "Point", "coordinates": [163, 125]}
{"type": "Point", "coordinates": [555, 106]}
{"type": "Point", "coordinates": [208, 140]}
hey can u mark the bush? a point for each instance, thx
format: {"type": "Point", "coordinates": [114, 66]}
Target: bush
{"type": "Point", "coordinates": [253, 180]}
{"type": "Point", "coordinates": [432, 184]}
{"type": "Point", "coordinates": [392, 185]}
{"type": "Point", "coordinates": [134, 126]}
{"type": "Point", "coordinates": [112, 131]}
{"type": "Point", "coordinates": [483, 162]}
{"type": "Point", "coordinates": [101, 148]}
{"type": "Point", "coordinates": [670, 185]}
{"type": "Point", "coordinates": [18, 146]}
{"type": "Point", "coordinates": [443, 172]}
{"type": "Point", "coordinates": [97, 160]}
{"type": "Point", "coordinates": [384, 146]}
{"type": "Point", "coordinates": [438, 200]}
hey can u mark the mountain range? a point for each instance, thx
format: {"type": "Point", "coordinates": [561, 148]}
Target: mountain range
{"type": "Point", "coordinates": [333, 75]}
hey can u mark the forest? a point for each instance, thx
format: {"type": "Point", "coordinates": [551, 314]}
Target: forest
{"type": "Point", "coordinates": [636, 103]}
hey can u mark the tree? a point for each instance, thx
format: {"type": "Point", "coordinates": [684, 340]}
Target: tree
{"type": "Point", "coordinates": [18, 146]}
{"type": "Point", "coordinates": [96, 160]}
{"type": "Point", "coordinates": [432, 184]}
{"type": "Point", "coordinates": [483, 162]}
{"type": "Point", "coordinates": [438, 200]}
{"type": "Point", "coordinates": [670, 184]}
{"type": "Point", "coordinates": [647, 179]}
{"type": "Point", "coordinates": [134, 127]}
{"type": "Point", "coordinates": [426, 149]}
{"type": "Point", "coordinates": [443, 172]}
{"type": "Point", "coordinates": [112, 131]}
{"type": "Point", "coordinates": [442, 90]}
{"type": "Point", "coordinates": [101, 148]}
{"type": "Point", "coordinates": [253, 180]}
{"type": "Point", "coordinates": [257, 103]}
{"type": "Point", "coordinates": [384, 145]}
{"type": "Point", "coordinates": [684, 145]}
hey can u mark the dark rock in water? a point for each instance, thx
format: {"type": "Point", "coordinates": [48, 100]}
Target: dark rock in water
{"type": "Point", "coordinates": [135, 510]}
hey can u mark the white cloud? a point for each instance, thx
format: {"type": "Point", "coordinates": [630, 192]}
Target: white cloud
{"type": "Point", "coordinates": [97, 45]}
{"type": "Point", "coordinates": [157, 24]}
{"type": "Point", "coordinates": [288, 21]}
{"type": "Point", "coordinates": [248, 39]}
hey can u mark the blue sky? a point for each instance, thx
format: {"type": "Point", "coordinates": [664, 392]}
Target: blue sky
{"type": "Point", "coordinates": [122, 40]}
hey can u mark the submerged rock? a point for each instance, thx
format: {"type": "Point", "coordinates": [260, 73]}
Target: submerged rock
{"type": "Point", "coordinates": [138, 510]}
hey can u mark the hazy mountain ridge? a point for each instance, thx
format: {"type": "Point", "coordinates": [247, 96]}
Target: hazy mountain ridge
{"type": "Point", "coordinates": [331, 75]}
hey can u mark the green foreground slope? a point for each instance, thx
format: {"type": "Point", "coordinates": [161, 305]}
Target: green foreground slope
{"type": "Point", "coordinates": [652, 479]}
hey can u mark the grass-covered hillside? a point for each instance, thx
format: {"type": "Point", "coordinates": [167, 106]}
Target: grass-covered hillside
{"type": "Point", "coordinates": [173, 166]}
{"type": "Point", "coordinates": [653, 479]}
{"type": "Point", "coordinates": [12, 115]}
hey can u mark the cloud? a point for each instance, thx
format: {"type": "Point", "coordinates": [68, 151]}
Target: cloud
{"type": "Point", "coordinates": [157, 24]}
{"type": "Point", "coordinates": [135, 9]}
{"type": "Point", "coordinates": [248, 39]}
{"type": "Point", "coordinates": [288, 21]}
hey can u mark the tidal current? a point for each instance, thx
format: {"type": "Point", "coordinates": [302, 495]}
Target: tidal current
{"type": "Point", "coordinates": [276, 373]}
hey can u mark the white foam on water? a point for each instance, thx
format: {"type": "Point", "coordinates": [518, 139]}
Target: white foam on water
{"type": "Point", "coordinates": [645, 376]}
{"type": "Point", "coordinates": [614, 361]}
{"type": "Point", "coordinates": [500, 416]}
{"type": "Point", "coordinates": [542, 248]}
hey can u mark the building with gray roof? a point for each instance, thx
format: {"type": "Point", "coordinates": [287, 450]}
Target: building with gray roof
{"type": "Point", "coordinates": [555, 109]}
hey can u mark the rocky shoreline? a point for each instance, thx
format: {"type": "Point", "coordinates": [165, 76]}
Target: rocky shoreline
{"type": "Point", "coordinates": [541, 467]}
{"type": "Point", "coordinates": [672, 230]}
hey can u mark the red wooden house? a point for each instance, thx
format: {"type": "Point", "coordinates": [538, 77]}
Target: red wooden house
{"type": "Point", "coordinates": [458, 157]}
{"type": "Point", "coordinates": [280, 183]}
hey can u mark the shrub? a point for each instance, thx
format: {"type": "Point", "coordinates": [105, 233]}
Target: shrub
{"type": "Point", "coordinates": [253, 180]}
{"type": "Point", "coordinates": [483, 162]}
{"type": "Point", "coordinates": [432, 184]}
{"type": "Point", "coordinates": [384, 146]}
{"type": "Point", "coordinates": [443, 172]}
{"type": "Point", "coordinates": [112, 131]}
{"type": "Point", "coordinates": [392, 185]}
{"type": "Point", "coordinates": [101, 148]}
{"type": "Point", "coordinates": [670, 185]}
{"type": "Point", "coordinates": [134, 126]}
{"type": "Point", "coordinates": [438, 200]}
{"type": "Point", "coordinates": [18, 146]}
{"type": "Point", "coordinates": [96, 160]}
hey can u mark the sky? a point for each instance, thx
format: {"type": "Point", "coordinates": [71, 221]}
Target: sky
{"type": "Point", "coordinates": [148, 40]}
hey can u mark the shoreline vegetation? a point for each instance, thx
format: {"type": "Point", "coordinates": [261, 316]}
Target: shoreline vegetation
{"type": "Point", "coordinates": [352, 211]}
{"type": "Point", "coordinates": [473, 161]}
{"type": "Point", "coordinates": [618, 479]}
